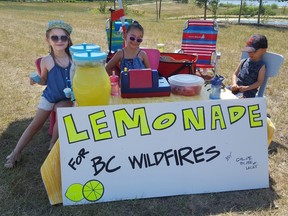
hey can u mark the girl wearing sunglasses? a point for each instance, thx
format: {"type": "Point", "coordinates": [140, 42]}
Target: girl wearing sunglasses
{"type": "Point", "coordinates": [131, 57]}
{"type": "Point", "coordinates": [55, 74]}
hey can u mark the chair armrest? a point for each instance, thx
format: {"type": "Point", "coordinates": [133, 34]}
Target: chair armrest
{"type": "Point", "coordinates": [218, 54]}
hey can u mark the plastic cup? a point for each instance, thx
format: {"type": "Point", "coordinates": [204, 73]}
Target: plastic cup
{"type": "Point", "coordinates": [67, 92]}
{"type": "Point", "coordinates": [35, 77]}
{"type": "Point", "coordinates": [160, 47]}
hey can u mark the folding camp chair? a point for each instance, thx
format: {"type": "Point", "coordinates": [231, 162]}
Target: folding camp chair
{"type": "Point", "coordinates": [114, 34]}
{"type": "Point", "coordinates": [53, 113]}
{"type": "Point", "coordinates": [200, 38]}
{"type": "Point", "coordinates": [115, 30]}
{"type": "Point", "coordinates": [153, 57]}
{"type": "Point", "coordinates": [116, 27]}
{"type": "Point", "coordinates": [273, 63]}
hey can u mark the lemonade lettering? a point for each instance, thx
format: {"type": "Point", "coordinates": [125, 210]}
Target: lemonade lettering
{"type": "Point", "coordinates": [192, 119]}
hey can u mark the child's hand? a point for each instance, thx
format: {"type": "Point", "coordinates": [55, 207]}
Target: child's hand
{"type": "Point", "coordinates": [243, 88]}
{"type": "Point", "coordinates": [235, 88]}
{"type": "Point", "coordinates": [34, 78]}
{"type": "Point", "coordinates": [32, 82]}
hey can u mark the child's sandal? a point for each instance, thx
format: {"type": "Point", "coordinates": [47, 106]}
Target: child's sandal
{"type": "Point", "coordinates": [12, 159]}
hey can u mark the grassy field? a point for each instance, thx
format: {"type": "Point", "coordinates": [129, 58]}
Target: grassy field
{"type": "Point", "coordinates": [22, 28]}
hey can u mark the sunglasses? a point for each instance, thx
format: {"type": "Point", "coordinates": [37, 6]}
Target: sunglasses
{"type": "Point", "coordinates": [132, 38]}
{"type": "Point", "coordinates": [63, 38]}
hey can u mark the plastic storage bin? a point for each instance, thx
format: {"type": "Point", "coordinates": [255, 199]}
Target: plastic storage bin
{"type": "Point", "coordinates": [186, 84]}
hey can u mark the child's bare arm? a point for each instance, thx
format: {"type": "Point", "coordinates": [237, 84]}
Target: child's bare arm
{"type": "Point", "coordinates": [234, 85]}
{"type": "Point", "coordinates": [44, 71]}
{"type": "Point", "coordinates": [113, 62]}
{"type": "Point", "coordinates": [46, 62]}
{"type": "Point", "coordinates": [145, 59]}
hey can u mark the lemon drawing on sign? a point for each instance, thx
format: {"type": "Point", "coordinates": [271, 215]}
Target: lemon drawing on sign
{"type": "Point", "coordinates": [93, 190]}
{"type": "Point", "coordinates": [74, 192]}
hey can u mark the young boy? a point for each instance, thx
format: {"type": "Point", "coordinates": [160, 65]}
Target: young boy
{"type": "Point", "coordinates": [250, 73]}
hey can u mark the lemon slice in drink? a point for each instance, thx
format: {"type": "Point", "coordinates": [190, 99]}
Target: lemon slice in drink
{"type": "Point", "coordinates": [93, 190]}
{"type": "Point", "coordinates": [74, 192]}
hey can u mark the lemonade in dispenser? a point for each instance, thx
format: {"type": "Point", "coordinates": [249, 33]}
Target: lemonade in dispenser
{"type": "Point", "coordinates": [91, 83]}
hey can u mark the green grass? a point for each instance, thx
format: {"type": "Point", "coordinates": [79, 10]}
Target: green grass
{"type": "Point", "coordinates": [22, 28]}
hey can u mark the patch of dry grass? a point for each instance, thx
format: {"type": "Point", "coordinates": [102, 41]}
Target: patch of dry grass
{"type": "Point", "coordinates": [22, 28]}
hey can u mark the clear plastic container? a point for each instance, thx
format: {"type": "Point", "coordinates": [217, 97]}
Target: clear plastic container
{"type": "Point", "coordinates": [216, 85]}
{"type": "Point", "coordinates": [114, 80]}
{"type": "Point", "coordinates": [91, 84]}
{"type": "Point", "coordinates": [186, 84]}
{"type": "Point", "coordinates": [215, 92]}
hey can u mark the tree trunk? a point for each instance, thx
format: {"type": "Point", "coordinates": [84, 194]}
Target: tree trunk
{"type": "Point", "coordinates": [259, 11]}
{"type": "Point", "coordinates": [205, 10]}
{"type": "Point", "coordinates": [160, 9]}
{"type": "Point", "coordinates": [240, 12]}
{"type": "Point", "coordinates": [157, 14]}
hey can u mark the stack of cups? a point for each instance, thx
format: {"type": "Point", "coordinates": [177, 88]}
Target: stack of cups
{"type": "Point", "coordinates": [35, 77]}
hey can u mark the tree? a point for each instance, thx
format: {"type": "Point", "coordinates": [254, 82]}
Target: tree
{"type": "Point", "coordinates": [259, 11]}
{"type": "Point", "coordinates": [157, 13]}
{"type": "Point", "coordinates": [212, 3]}
{"type": "Point", "coordinates": [203, 3]}
{"type": "Point", "coordinates": [160, 4]}
{"type": "Point", "coordinates": [158, 9]}
{"type": "Point", "coordinates": [214, 7]}
{"type": "Point", "coordinates": [240, 12]}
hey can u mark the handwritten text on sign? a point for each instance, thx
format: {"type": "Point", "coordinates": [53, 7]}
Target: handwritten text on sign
{"type": "Point", "coordinates": [151, 150]}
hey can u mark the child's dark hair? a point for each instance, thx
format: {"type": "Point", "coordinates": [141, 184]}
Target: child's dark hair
{"type": "Point", "coordinates": [135, 25]}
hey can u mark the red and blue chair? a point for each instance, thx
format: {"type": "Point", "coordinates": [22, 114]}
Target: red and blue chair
{"type": "Point", "coordinates": [200, 38]}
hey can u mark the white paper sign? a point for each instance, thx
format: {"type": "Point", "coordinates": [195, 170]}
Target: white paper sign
{"type": "Point", "coordinates": [119, 152]}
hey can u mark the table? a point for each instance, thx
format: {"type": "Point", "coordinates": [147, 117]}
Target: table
{"type": "Point", "coordinates": [50, 170]}
{"type": "Point", "coordinates": [204, 95]}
